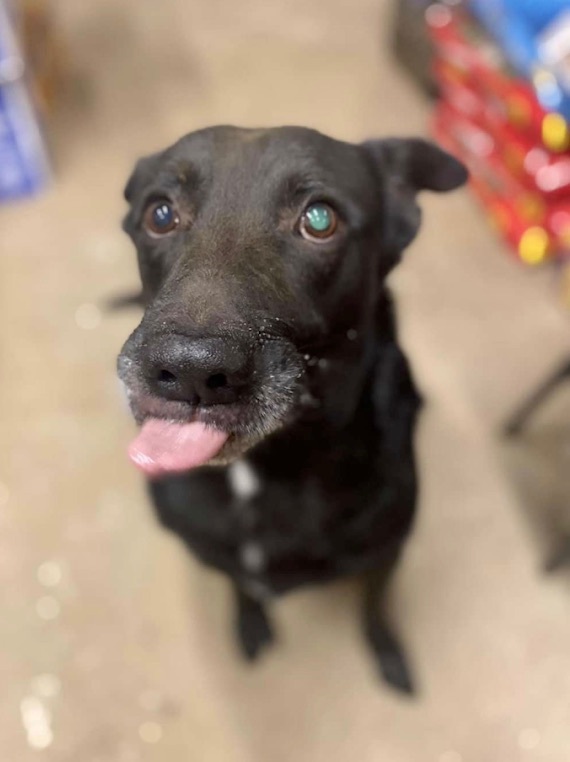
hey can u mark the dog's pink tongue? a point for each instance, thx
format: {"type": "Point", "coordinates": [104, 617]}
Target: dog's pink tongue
{"type": "Point", "coordinates": [165, 447]}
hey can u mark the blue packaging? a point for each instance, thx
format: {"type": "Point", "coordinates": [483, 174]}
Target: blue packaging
{"type": "Point", "coordinates": [24, 165]}
{"type": "Point", "coordinates": [528, 32]}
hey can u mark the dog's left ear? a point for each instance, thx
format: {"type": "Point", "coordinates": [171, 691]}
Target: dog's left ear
{"type": "Point", "coordinates": [405, 167]}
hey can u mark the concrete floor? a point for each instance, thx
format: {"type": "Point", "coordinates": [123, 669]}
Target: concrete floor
{"type": "Point", "coordinates": [114, 645]}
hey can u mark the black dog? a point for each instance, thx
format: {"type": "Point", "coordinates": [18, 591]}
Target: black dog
{"type": "Point", "coordinates": [268, 351]}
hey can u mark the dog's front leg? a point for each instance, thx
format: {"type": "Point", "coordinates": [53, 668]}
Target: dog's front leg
{"type": "Point", "coordinates": [252, 626]}
{"type": "Point", "coordinates": [385, 646]}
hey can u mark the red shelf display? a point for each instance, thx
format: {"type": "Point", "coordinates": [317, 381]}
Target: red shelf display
{"type": "Point", "coordinates": [518, 154]}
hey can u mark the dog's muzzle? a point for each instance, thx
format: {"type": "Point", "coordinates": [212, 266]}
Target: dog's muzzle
{"type": "Point", "coordinates": [206, 400]}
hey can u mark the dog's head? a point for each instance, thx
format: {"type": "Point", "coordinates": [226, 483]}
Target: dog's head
{"type": "Point", "coordinates": [262, 255]}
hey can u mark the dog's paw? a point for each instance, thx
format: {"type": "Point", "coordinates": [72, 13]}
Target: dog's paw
{"type": "Point", "coordinates": [395, 671]}
{"type": "Point", "coordinates": [391, 658]}
{"type": "Point", "coordinates": [254, 632]}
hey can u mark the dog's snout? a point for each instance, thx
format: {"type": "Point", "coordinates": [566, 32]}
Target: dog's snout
{"type": "Point", "coordinates": [205, 371]}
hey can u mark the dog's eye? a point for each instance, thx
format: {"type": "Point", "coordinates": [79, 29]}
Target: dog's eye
{"type": "Point", "coordinates": [160, 218]}
{"type": "Point", "coordinates": [319, 222]}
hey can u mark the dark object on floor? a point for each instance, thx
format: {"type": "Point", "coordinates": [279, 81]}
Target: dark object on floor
{"type": "Point", "coordinates": [268, 349]}
{"type": "Point", "coordinates": [520, 418]}
{"type": "Point", "coordinates": [541, 468]}
{"type": "Point", "coordinates": [538, 465]}
{"type": "Point", "coordinates": [411, 43]}
{"type": "Point", "coordinates": [559, 558]}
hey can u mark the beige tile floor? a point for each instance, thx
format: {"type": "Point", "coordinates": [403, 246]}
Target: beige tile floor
{"type": "Point", "coordinates": [114, 646]}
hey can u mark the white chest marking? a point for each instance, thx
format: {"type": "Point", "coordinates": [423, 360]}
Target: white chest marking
{"type": "Point", "coordinates": [252, 557]}
{"type": "Point", "coordinates": [243, 480]}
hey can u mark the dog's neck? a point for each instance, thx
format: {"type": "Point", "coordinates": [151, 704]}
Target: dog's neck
{"type": "Point", "coordinates": [341, 371]}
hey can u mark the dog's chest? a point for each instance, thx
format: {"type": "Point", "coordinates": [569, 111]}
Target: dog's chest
{"type": "Point", "coordinates": [272, 532]}
{"type": "Point", "coordinates": [254, 553]}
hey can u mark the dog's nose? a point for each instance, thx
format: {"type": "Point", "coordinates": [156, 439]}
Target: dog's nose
{"type": "Point", "coordinates": [200, 371]}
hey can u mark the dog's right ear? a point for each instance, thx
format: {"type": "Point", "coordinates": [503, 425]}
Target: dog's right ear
{"type": "Point", "coordinates": [405, 167]}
